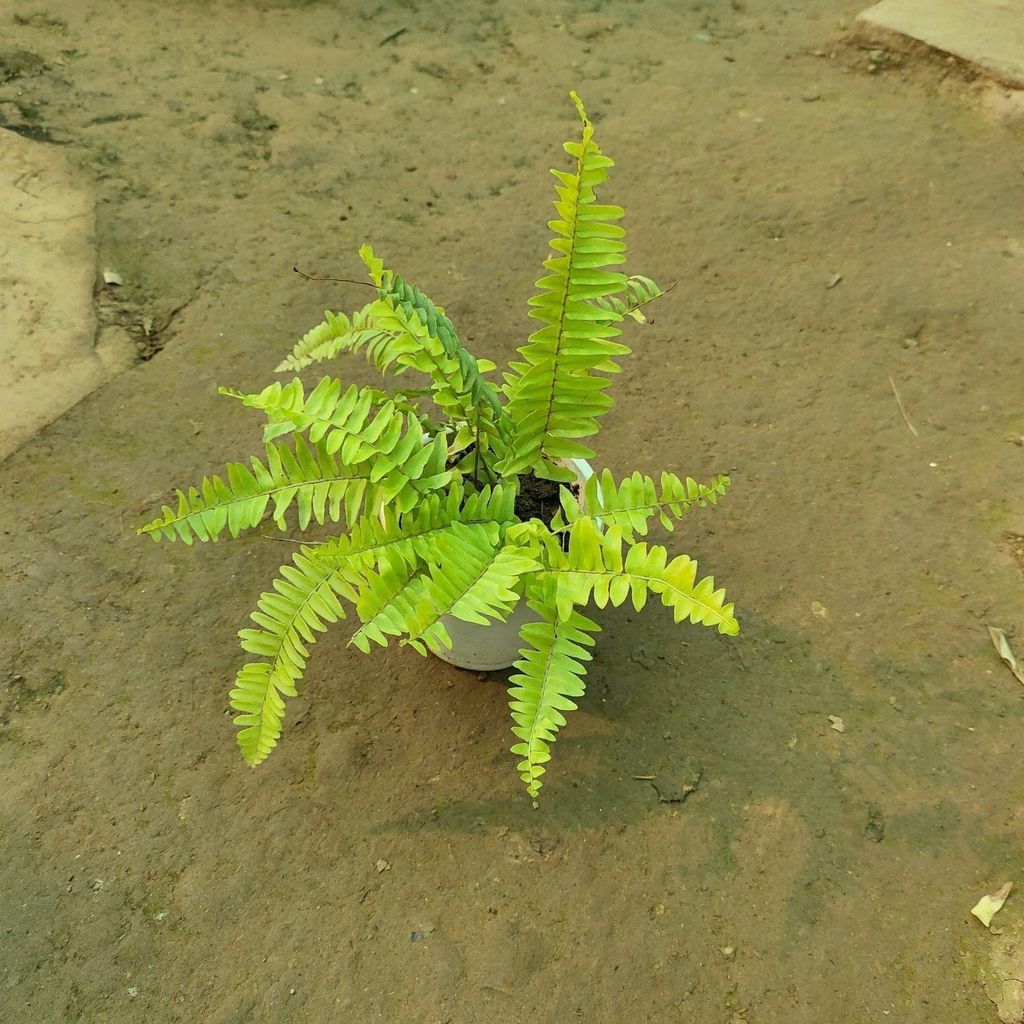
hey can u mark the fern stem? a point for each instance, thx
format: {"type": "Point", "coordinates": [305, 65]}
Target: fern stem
{"type": "Point", "coordinates": [338, 280]}
{"type": "Point", "coordinates": [476, 453]}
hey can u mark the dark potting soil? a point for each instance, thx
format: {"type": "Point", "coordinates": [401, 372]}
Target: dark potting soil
{"type": "Point", "coordinates": [537, 499]}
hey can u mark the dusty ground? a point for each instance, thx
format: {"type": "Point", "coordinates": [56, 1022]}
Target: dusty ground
{"type": "Point", "coordinates": [147, 876]}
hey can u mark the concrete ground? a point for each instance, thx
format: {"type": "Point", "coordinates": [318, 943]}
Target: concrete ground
{"type": "Point", "coordinates": [49, 352]}
{"type": "Point", "coordinates": [987, 33]}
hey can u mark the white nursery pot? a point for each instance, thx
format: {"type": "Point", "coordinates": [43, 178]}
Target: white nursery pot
{"type": "Point", "coordinates": [496, 646]}
{"type": "Point", "coordinates": [485, 648]}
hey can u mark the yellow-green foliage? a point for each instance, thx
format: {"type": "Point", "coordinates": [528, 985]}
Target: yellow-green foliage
{"type": "Point", "coordinates": [554, 398]}
{"type": "Point", "coordinates": [632, 503]}
{"type": "Point", "coordinates": [428, 501]}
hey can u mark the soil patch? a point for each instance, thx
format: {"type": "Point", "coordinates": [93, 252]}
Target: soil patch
{"type": "Point", "coordinates": [537, 499]}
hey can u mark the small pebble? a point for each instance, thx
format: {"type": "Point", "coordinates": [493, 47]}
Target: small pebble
{"type": "Point", "coordinates": [729, 952]}
{"type": "Point", "coordinates": [835, 722]}
{"type": "Point", "coordinates": [810, 97]}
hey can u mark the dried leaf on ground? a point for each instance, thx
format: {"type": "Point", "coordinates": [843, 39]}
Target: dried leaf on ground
{"type": "Point", "coordinates": [1002, 646]}
{"type": "Point", "coordinates": [988, 906]}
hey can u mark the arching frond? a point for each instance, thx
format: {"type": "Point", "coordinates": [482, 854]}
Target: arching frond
{"type": "Point", "coordinates": [470, 579]}
{"type": "Point", "coordinates": [325, 412]}
{"type": "Point", "coordinates": [386, 462]}
{"type": "Point", "coordinates": [415, 533]}
{"type": "Point", "coordinates": [304, 600]}
{"type": "Point", "coordinates": [554, 399]}
{"type": "Point", "coordinates": [361, 568]}
{"type": "Point", "coordinates": [551, 672]}
{"type": "Point", "coordinates": [336, 333]}
{"type": "Point", "coordinates": [595, 568]}
{"type": "Point", "coordinates": [468, 575]}
{"type": "Point", "coordinates": [426, 341]}
{"type": "Point", "coordinates": [388, 600]}
{"type": "Point", "coordinates": [632, 503]}
{"type": "Point", "coordinates": [408, 301]}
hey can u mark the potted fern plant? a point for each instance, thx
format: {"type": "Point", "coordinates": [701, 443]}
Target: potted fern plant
{"type": "Point", "coordinates": [478, 511]}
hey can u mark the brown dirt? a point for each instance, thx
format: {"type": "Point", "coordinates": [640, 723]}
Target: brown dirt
{"type": "Point", "coordinates": [537, 499]}
{"type": "Point", "coordinates": [385, 865]}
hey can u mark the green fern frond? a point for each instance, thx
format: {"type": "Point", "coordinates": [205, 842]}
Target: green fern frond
{"type": "Point", "coordinates": [327, 413]}
{"type": "Point", "coordinates": [632, 503]}
{"type": "Point", "coordinates": [410, 301]}
{"type": "Point", "coordinates": [388, 600]}
{"type": "Point", "coordinates": [553, 398]}
{"type": "Point", "coordinates": [304, 600]}
{"type": "Point", "coordinates": [551, 673]}
{"type": "Point", "coordinates": [638, 291]}
{"type": "Point", "coordinates": [468, 575]}
{"type": "Point", "coordinates": [594, 568]}
{"type": "Point", "coordinates": [404, 597]}
{"type": "Point", "coordinates": [415, 533]}
{"type": "Point", "coordinates": [307, 595]}
{"type": "Point", "coordinates": [393, 467]}
{"type": "Point", "coordinates": [258, 696]}
{"type": "Point", "coordinates": [334, 334]}
{"type": "Point", "coordinates": [470, 579]}
{"type": "Point", "coordinates": [424, 340]}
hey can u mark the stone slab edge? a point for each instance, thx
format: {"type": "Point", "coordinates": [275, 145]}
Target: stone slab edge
{"type": "Point", "coordinates": [986, 34]}
{"type": "Point", "coordinates": [49, 356]}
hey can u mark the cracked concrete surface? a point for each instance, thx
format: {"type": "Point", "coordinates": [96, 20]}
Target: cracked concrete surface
{"type": "Point", "coordinates": [49, 356]}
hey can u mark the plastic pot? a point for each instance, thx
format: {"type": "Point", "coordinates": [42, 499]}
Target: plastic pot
{"type": "Point", "coordinates": [496, 646]}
